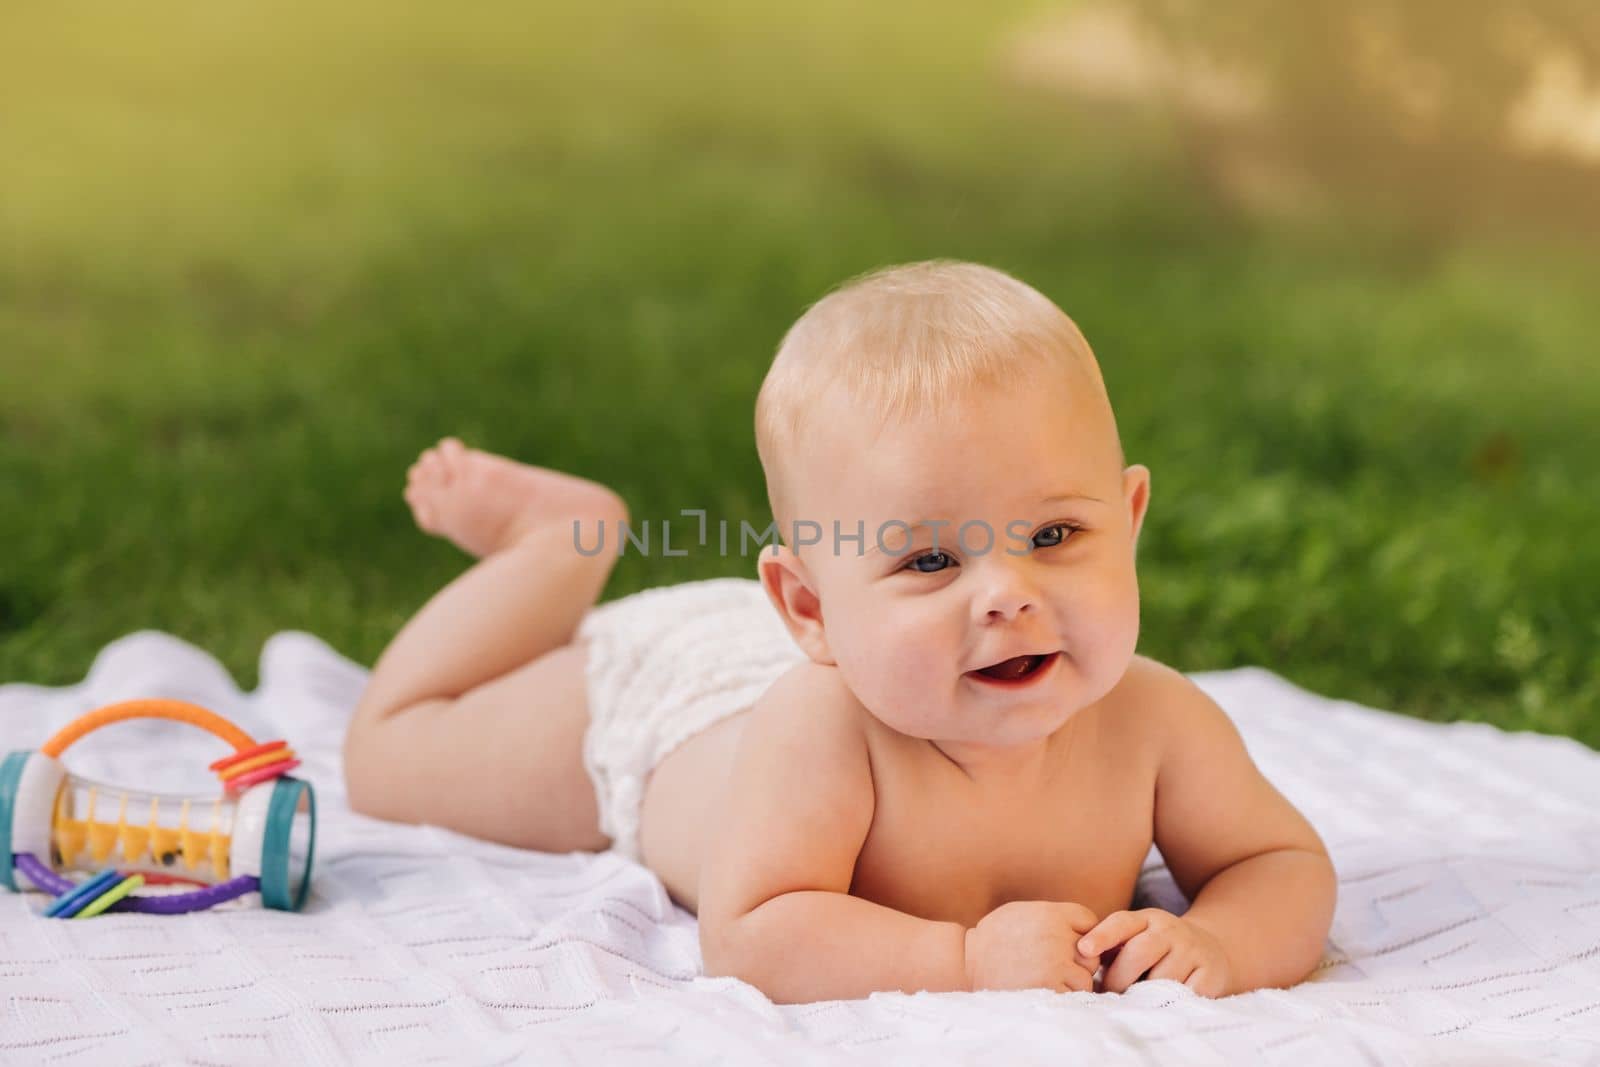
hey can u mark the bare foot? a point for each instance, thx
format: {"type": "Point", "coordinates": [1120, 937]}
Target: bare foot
{"type": "Point", "coordinates": [483, 503]}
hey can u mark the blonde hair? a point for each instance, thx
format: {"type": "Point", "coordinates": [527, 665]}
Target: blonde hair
{"type": "Point", "coordinates": [908, 341]}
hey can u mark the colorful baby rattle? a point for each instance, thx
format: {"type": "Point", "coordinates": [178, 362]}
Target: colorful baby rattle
{"type": "Point", "coordinates": [261, 834]}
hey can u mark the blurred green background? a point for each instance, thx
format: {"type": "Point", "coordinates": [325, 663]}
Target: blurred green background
{"type": "Point", "coordinates": [254, 259]}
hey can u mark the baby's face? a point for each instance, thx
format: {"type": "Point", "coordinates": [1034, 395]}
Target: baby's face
{"type": "Point", "coordinates": [912, 623]}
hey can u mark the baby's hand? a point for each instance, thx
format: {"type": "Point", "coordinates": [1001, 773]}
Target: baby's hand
{"type": "Point", "coordinates": [1030, 944]}
{"type": "Point", "coordinates": [1166, 945]}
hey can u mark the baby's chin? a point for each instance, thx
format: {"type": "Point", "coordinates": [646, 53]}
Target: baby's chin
{"type": "Point", "coordinates": [1025, 727]}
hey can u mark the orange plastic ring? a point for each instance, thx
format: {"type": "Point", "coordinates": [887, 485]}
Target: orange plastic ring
{"type": "Point", "coordinates": [230, 764]}
{"type": "Point", "coordinates": [266, 759]}
{"type": "Point", "coordinates": [177, 710]}
{"type": "Point", "coordinates": [240, 770]}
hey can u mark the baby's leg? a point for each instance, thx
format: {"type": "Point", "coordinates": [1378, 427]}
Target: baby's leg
{"type": "Point", "coordinates": [474, 716]}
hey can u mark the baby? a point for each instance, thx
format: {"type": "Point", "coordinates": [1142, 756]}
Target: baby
{"type": "Point", "coordinates": [920, 753]}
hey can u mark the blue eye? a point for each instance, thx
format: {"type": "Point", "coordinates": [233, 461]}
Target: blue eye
{"type": "Point", "coordinates": [1062, 539]}
{"type": "Point", "coordinates": [912, 565]}
{"type": "Point", "coordinates": [1062, 532]}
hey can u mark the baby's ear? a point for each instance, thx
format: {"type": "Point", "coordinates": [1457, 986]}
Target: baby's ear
{"type": "Point", "coordinates": [1136, 493]}
{"type": "Point", "coordinates": [792, 590]}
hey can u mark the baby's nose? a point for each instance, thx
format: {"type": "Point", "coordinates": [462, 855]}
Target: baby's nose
{"type": "Point", "coordinates": [1007, 591]}
{"type": "Point", "coordinates": [1009, 610]}
{"type": "Point", "coordinates": [1007, 603]}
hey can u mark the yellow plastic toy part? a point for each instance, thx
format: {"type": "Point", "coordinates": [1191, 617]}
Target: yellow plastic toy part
{"type": "Point", "coordinates": [102, 838]}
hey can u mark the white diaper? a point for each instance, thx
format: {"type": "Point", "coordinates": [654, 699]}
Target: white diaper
{"type": "Point", "coordinates": [664, 664]}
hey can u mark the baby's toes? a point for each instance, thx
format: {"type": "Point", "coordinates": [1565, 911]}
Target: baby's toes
{"type": "Point", "coordinates": [431, 468]}
{"type": "Point", "coordinates": [422, 508]}
{"type": "Point", "coordinates": [453, 459]}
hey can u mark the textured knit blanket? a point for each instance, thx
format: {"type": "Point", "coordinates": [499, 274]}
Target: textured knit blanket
{"type": "Point", "coordinates": [1467, 931]}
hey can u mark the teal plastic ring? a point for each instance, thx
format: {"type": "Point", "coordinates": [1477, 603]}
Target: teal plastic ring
{"type": "Point", "coordinates": [275, 858]}
{"type": "Point", "coordinates": [10, 779]}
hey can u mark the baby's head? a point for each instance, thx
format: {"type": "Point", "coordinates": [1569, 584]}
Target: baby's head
{"type": "Point", "coordinates": [954, 396]}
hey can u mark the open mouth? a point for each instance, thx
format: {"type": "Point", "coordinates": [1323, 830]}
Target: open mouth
{"type": "Point", "coordinates": [1015, 672]}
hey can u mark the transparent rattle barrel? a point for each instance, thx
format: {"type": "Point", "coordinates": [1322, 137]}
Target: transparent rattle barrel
{"type": "Point", "coordinates": [189, 838]}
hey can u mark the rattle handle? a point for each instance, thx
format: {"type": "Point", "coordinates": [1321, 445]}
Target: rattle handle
{"type": "Point", "coordinates": [156, 708]}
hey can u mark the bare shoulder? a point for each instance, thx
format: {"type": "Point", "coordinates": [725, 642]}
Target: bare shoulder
{"type": "Point", "coordinates": [809, 714]}
{"type": "Point", "coordinates": [1149, 706]}
{"type": "Point", "coordinates": [813, 721]}
{"type": "Point", "coordinates": [1175, 714]}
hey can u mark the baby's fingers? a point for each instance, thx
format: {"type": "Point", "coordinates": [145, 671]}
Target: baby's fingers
{"type": "Point", "coordinates": [1176, 965]}
{"type": "Point", "coordinates": [1079, 980]}
{"type": "Point", "coordinates": [1206, 982]}
{"type": "Point", "coordinates": [1114, 929]}
{"type": "Point", "coordinates": [1138, 955]}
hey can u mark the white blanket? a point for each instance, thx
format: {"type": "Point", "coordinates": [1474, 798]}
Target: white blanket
{"type": "Point", "coordinates": [1468, 926]}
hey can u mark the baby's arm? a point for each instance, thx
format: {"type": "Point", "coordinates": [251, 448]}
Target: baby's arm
{"type": "Point", "coordinates": [1257, 874]}
{"type": "Point", "coordinates": [774, 904]}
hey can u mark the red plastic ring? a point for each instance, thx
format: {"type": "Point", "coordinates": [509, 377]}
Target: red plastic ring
{"type": "Point", "coordinates": [262, 774]}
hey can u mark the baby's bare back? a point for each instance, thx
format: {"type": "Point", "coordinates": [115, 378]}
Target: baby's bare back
{"type": "Point", "coordinates": [942, 845]}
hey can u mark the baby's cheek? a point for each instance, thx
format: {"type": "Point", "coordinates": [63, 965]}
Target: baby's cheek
{"type": "Point", "coordinates": [1106, 621]}
{"type": "Point", "coordinates": [910, 669]}
{"type": "Point", "coordinates": [874, 668]}
{"type": "Point", "coordinates": [894, 679]}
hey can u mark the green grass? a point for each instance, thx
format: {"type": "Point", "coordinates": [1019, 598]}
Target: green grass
{"type": "Point", "coordinates": [251, 263]}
